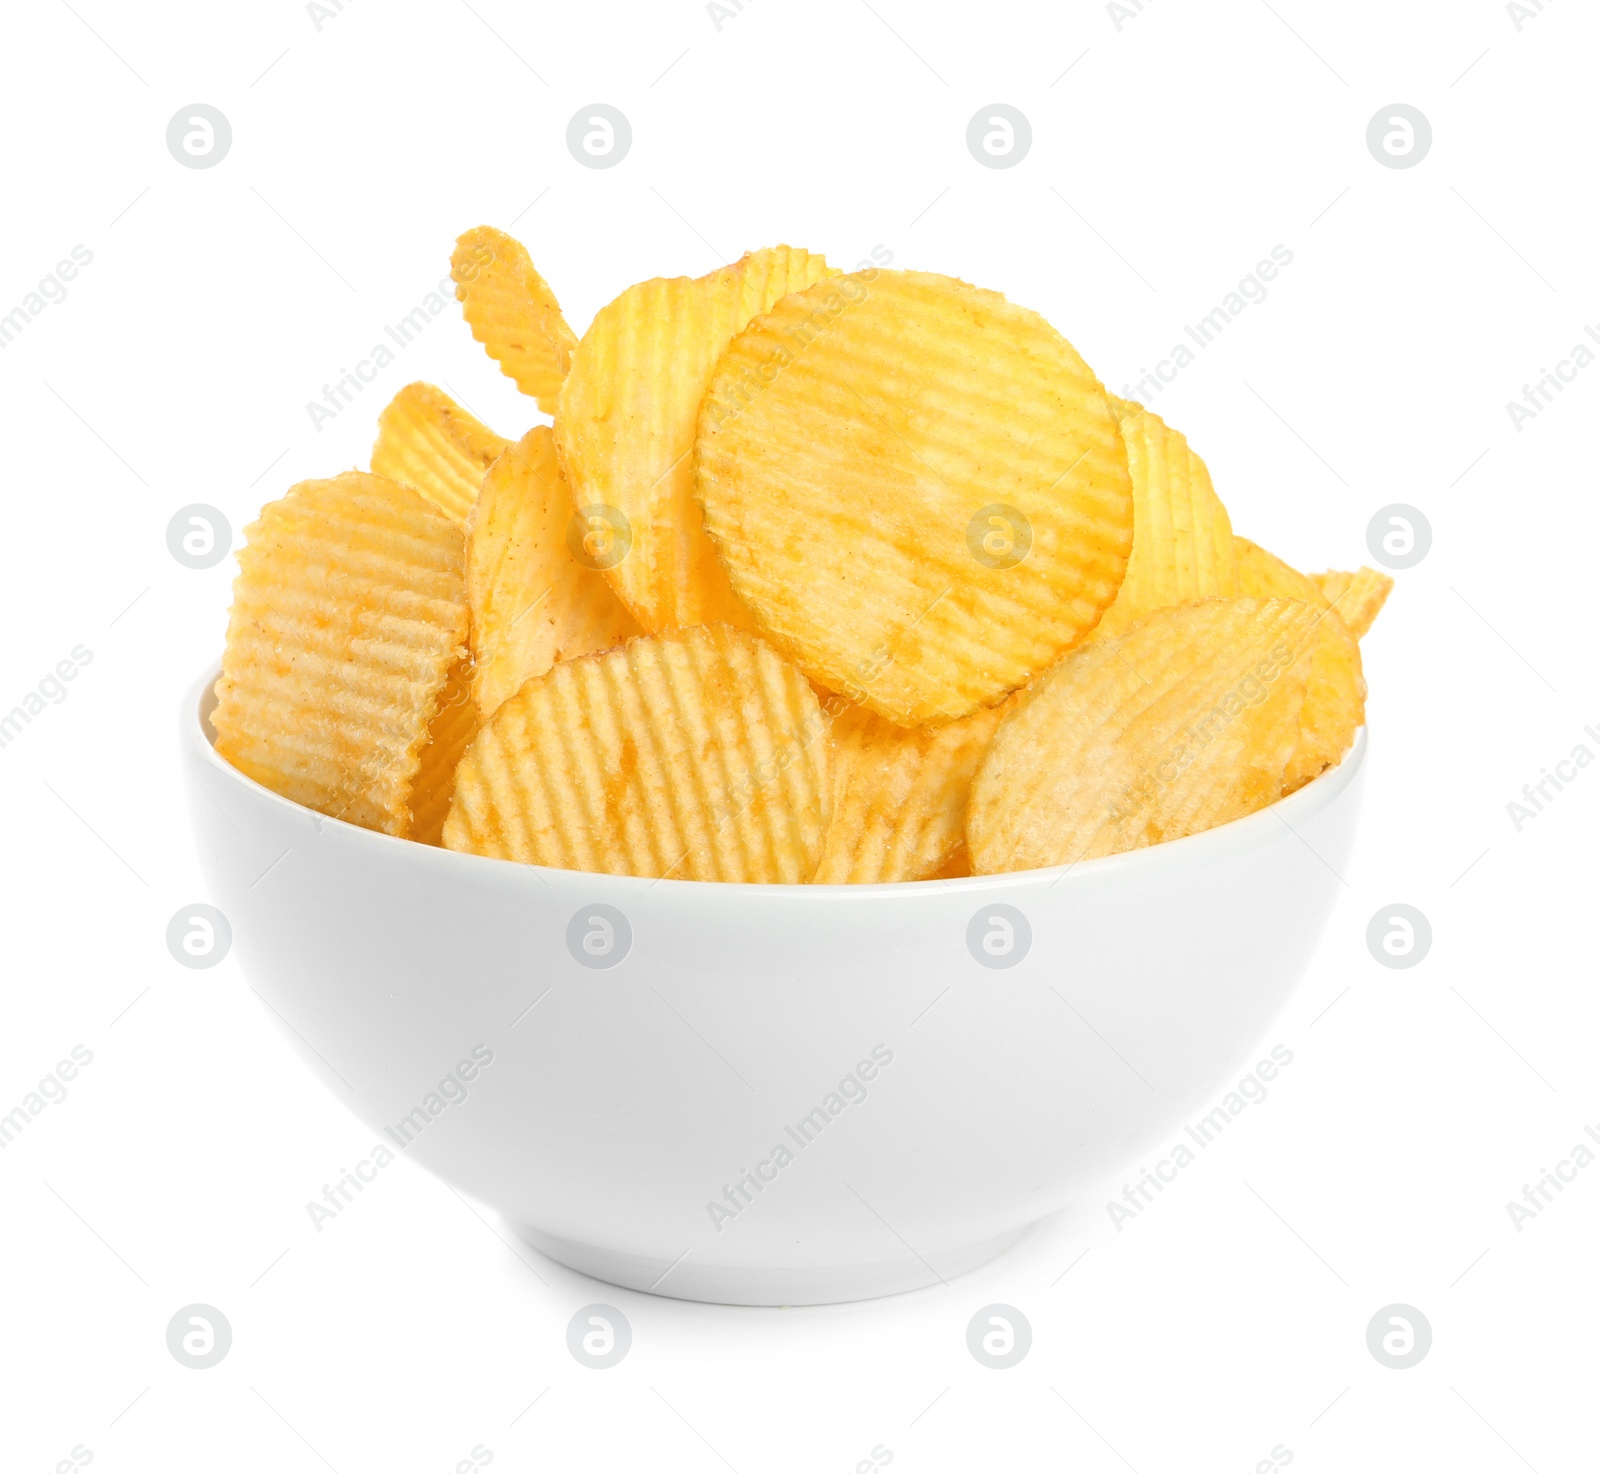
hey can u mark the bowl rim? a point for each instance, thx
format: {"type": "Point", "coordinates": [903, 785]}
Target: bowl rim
{"type": "Point", "coordinates": [1208, 846]}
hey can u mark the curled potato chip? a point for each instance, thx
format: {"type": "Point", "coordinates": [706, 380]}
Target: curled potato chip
{"type": "Point", "coordinates": [349, 613]}
{"type": "Point", "coordinates": [899, 807]}
{"type": "Point", "coordinates": [694, 755]}
{"type": "Point", "coordinates": [1182, 538]}
{"type": "Point", "coordinates": [918, 489]}
{"type": "Point", "coordinates": [1357, 596]}
{"type": "Point", "coordinates": [533, 578]}
{"type": "Point", "coordinates": [1184, 722]}
{"type": "Point", "coordinates": [626, 420]}
{"type": "Point", "coordinates": [1336, 690]}
{"type": "Point", "coordinates": [512, 312]}
{"type": "Point", "coordinates": [426, 440]}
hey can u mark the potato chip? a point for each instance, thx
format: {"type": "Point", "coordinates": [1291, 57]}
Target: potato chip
{"type": "Point", "coordinates": [899, 808]}
{"type": "Point", "coordinates": [694, 755]}
{"type": "Point", "coordinates": [426, 440]}
{"type": "Point", "coordinates": [1182, 539]}
{"type": "Point", "coordinates": [1357, 596]}
{"type": "Point", "coordinates": [918, 488]}
{"type": "Point", "coordinates": [450, 733]}
{"type": "Point", "coordinates": [533, 579]}
{"type": "Point", "coordinates": [512, 312]}
{"type": "Point", "coordinates": [349, 613]}
{"type": "Point", "coordinates": [1336, 691]}
{"type": "Point", "coordinates": [626, 421]}
{"type": "Point", "coordinates": [1186, 721]}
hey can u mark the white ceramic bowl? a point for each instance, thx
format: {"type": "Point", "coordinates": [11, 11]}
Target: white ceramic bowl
{"type": "Point", "coordinates": [774, 1095]}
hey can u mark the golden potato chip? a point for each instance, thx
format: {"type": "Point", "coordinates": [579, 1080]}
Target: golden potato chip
{"type": "Point", "coordinates": [626, 420]}
{"type": "Point", "coordinates": [450, 733]}
{"type": "Point", "coordinates": [918, 489]}
{"type": "Point", "coordinates": [512, 312]}
{"type": "Point", "coordinates": [533, 579]}
{"type": "Point", "coordinates": [349, 613]}
{"type": "Point", "coordinates": [899, 808]}
{"type": "Point", "coordinates": [1186, 721]}
{"type": "Point", "coordinates": [1357, 596]}
{"type": "Point", "coordinates": [957, 867]}
{"type": "Point", "coordinates": [426, 440]}
{"type": "Point", "coordinates": [1182, 539]}
{"type": "Point", "coordinates": [1336, 691]}
{"type": "Point", "coordinates": [694, 755]}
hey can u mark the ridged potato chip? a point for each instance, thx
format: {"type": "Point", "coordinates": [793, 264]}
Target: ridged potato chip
{"type": "Point", "coordinates": [450, 733]}
{"type": "Point", "coordinates": [349, 613]}
{"type": "Point", "coordinates": [427, 441]}
{"type": "Point", "coordinates": [1336, 690]}
{"type": "Point", "coordinates": [918, 489]}
{"type": "Point", "coordinates": [899, 808]}
{"type": "Point", "coordinates": [625, 426]}
{"type": "Point", "coordinates": [512, 312]}
{"type": "Point", "coordinates": [1186, 721]}
{"type": "Point", "coordinates": [1182, 538]}
{"type": "Point", "coordinates": [1357, 596]}
{"type": "Point", "coordinates": [533, 601]}
{"type": "Point", "coordinates": [694, 755]}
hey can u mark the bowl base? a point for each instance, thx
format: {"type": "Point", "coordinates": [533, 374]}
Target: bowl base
{"type": "Point", "coordinates": [729, 1284]}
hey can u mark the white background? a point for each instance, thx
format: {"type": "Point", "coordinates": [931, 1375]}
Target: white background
{"type": "Point", "coordinates": [1168, 157]}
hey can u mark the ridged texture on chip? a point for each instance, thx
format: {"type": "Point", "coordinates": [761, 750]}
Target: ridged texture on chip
{"type": "Point", "coordinates": [626, 421]}
{"type": "Point", "coordinates": [349, 613]}
{"type": "Point", "coordinates": [1182, 538]}
{"type": "Point", "coordinates": [426, 440]}
{"type": "Point", "coordinates": [512, 312]}
{"type": "Point", "coordinates": [1186, 721]}
{"type": "Point", "coordinates": [455, 723]}
{"type": "Point", "coordinates": [695, 755]}
{"type": "Point", "coordinates": [899, 796]}
{"type": "Point", "coordinates": [1357, 596]}
{"type": "Point", "coordinates": [532, 602]}
{"type": "Point", "coordinates": [1336, 690]}
{"type": "Point", "coordinates": [850, 448]}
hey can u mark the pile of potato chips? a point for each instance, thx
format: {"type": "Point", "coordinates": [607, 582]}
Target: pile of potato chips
{"type": "Point", "coordinates": [816, 577]}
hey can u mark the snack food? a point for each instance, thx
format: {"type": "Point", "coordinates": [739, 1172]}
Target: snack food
{"type": "Point", "coordinates": [533, 579]}
{"type": "Point", "coordinates": [625, 427]}
{"type": "Point", "coordinates": [695, 755]}
{"type": "Point", "coordinates": [819, 578]}
{"type": "Point", "coordinates": [427, 441]}
{"type": "Point", "coordinates": [918, 489]}
{"type": "Point", "coordinates": [349, 613]}
{"type": "Point", "coordinates": [512, 312]}
{"type": "Point", "coordinates": [1186, 721]}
